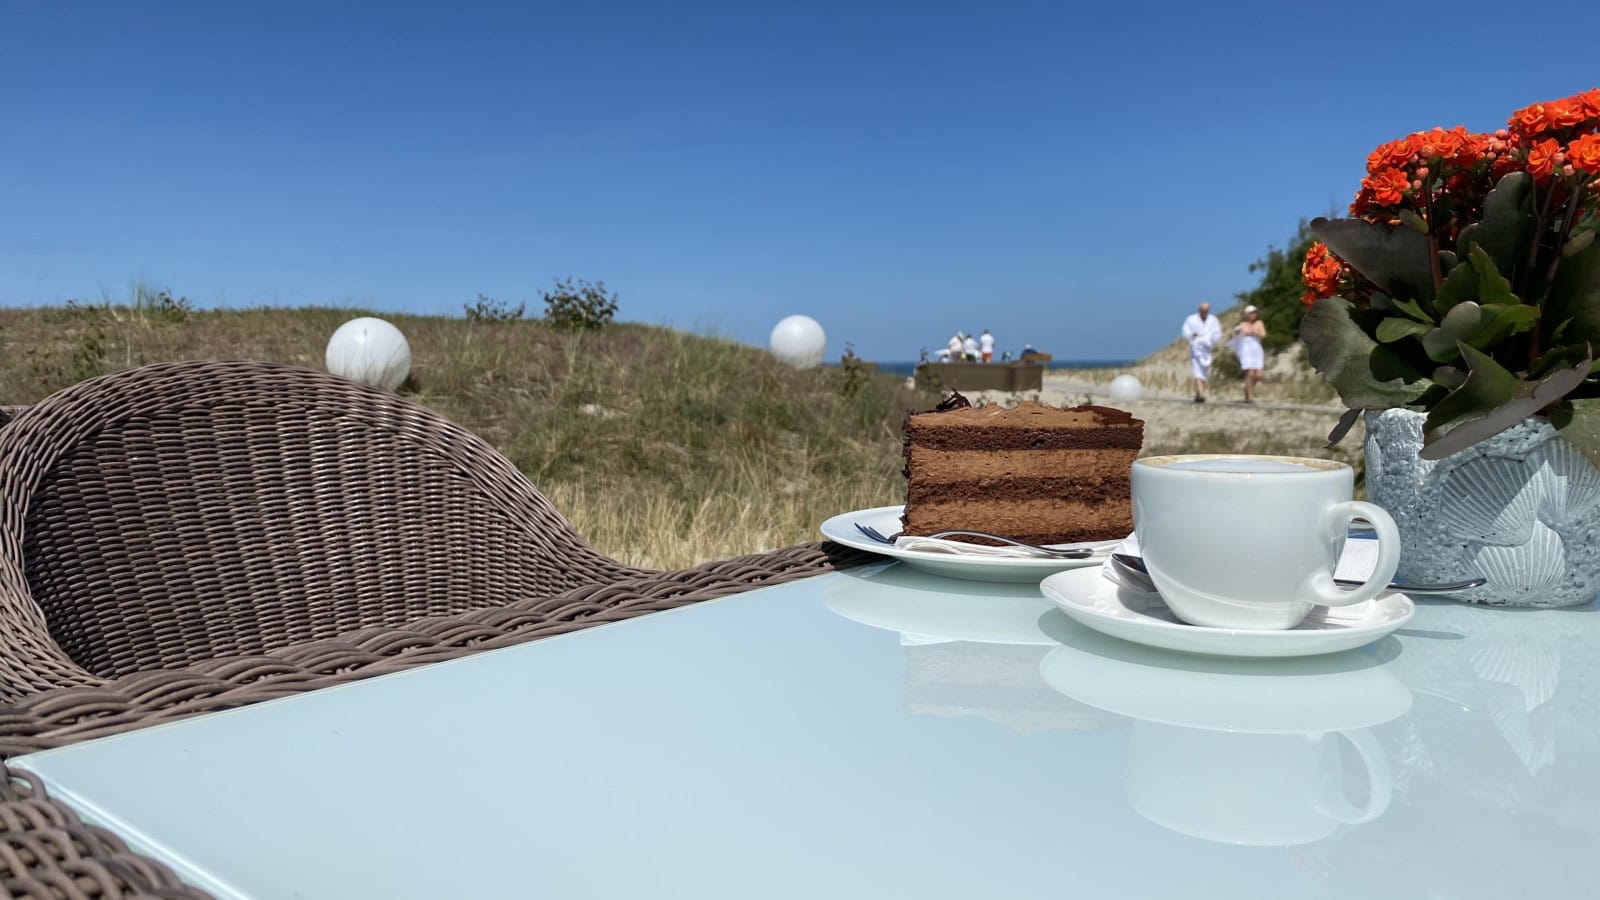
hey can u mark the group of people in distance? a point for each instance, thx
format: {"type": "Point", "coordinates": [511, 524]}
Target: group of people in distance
{"type": "Point", "coordinates": [966, 348]}
{"type": "Point", "coordinates": [1204, 333]}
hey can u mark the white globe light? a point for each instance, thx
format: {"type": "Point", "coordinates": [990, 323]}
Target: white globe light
{"type": "Point", "coordinates": [370, 351]}
{"type": "Point", "coordinates": [1126, 389]}
{"type": "Point", "coordinates": [798, 341]}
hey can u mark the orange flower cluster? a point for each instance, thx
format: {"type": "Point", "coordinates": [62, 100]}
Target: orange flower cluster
{"type": "Point", "coordinates": [1320, 272]}
{"type": "Point", "coordinates": [1399, 171]}
{"type": "Point", "coordinates": [1556, 115]}
{"type": "Point", "coordinates": [1438, 179]}
{"type": "Point", "coordinates": [1555, 138]}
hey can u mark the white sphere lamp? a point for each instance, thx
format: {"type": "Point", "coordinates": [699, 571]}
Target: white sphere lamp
{"type": "Point", "coordinates": [1126, 389]}
{"type": "Point", "coordinates": [798, 341]}
{"type": "Point", "coordinates": [370, 351]}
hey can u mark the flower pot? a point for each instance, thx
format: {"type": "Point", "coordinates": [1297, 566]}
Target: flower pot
{"type": "Point", "coordinates": [1521, 509]}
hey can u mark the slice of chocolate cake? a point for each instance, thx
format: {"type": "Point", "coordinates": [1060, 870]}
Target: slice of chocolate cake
{"type": "Point", "coordinates": [1035, 473]}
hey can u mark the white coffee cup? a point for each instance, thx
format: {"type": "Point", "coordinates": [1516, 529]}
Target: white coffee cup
{"type": "Point", "coordinates": [1260, 790]}
{"type": "Point", "coordinates": [1251, 542]}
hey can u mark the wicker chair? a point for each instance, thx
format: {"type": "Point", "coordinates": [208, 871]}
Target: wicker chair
{"type": "Point", "coordinates": [218, 518]}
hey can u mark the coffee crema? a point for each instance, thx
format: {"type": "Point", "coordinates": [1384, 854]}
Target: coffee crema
{"type": "Point", "coordinates": [1242, 466]}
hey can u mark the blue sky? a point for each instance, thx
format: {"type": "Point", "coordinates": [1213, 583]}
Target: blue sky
{"type": "Point", "coordinates": [1074, 177]}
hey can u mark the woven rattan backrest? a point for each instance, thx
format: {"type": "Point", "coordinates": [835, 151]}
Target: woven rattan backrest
{"type": "Point", "coordinates": [175, 513]}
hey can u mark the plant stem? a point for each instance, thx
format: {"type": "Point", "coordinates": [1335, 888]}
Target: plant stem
{"type": "Point", "coordinates": [1433, 241]}
{"type": "Point", "coordinates": [1573, 204]}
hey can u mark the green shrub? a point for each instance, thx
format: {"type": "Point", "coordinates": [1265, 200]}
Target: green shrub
{"type": "Point", "coordinates": [579, 306]}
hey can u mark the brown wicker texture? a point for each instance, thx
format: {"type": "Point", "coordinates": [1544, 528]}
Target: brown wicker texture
{"type": "Point", "coordinates": [55, 718]}
{"type": "Point", "coordinates": [46, 851]}
{"type": "Point", "coordinates": [190, 513]}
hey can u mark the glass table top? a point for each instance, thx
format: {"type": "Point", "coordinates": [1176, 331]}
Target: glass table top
{"type": "Point", "coordinates": [888, 733]}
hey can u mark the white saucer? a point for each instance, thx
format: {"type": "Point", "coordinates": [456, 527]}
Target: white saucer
{"type": "Point", "coordinates": [841, 529]}
{"type": "Point", "coordinates": [1306, 695]}
{"type": "Point", "coordinates": [1143, 618]}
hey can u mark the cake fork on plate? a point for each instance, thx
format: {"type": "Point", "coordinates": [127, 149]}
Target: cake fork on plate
{"type": "Point", "coordinates": [1046, 552]}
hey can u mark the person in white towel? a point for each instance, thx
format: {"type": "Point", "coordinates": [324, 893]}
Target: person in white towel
{"type": "Point", "coordinates": [1203, 333]}
{"type": "Point", "coordinates": [1246, 345]}
{"type": "Point", "coordinates": [954, 347]}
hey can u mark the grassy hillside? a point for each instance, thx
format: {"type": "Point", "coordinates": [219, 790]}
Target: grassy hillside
{"type": "Point", "coordinates": [664, 448]}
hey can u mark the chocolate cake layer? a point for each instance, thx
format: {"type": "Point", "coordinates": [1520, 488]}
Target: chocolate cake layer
{"type": "Point", "coordinates": [1061, 520]}
{"type": "Point", "coordinates": [1112, 489]}
{"type": "Point", "coordinates": [929, 465]}
{"type": "Point", "coordinates": [941, 437]}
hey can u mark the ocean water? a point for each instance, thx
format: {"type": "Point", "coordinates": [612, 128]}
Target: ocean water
{"type": "Point", "coordinates": [908, 368]}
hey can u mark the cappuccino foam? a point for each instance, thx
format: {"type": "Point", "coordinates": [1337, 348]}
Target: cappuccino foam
{"type": "Point", "coordinates": [1242, 466]}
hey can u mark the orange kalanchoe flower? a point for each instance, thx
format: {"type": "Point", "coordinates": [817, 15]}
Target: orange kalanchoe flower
{"type": "Point", "coordinates": [1589, 102]}
{"type": "Point", "coordinates": [1530, 120]}
{"type": "Point", "coordinates": [1320, 272]}
{"type": "Point", "coordinates": [1393, 155]}
{"type": "Point", "coordinates": [1388, 186]}
{"type": "Point", "coordinates": [1584, 154]}
{"type": "Point", "coordinates": [1567, 113]}
{"type": "Point", "coordinates": [1542, 158]}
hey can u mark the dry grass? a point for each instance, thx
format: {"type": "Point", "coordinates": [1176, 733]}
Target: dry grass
{"type": "Point", "coordinates": [664, 449]}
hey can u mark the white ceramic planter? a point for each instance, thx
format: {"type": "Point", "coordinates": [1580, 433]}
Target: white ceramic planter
{"type": "Point", "coordinates": [1521, 509]}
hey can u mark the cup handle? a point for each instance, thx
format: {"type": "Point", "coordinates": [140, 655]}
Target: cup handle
{"type": "Point", "coordinates": [1320, 590]}
{"type": "Point", "coordinates": [1335, 805]}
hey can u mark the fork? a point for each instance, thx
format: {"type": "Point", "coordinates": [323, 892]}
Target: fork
{"type": "Point", "coordinates": [1044, 552]}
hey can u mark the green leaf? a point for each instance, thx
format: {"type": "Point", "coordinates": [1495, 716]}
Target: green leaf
{"type": "Point", "coordinates": [1503, 322]}
{"type": "Point", "coordinates": [1410, 308]}
{"type": "Point", "coordinates": [1579, 422]}
{"type": "Point", "coordinates": [1364, 372]}
{"type": "Point", "coordinates": [1487, 386]}
{"type": "Point", "coordinates": [1478, 326]}
{"type": "Point", "coordinates": [1507, 228]}
{"type": "Point", "coordinates": [1575, 295]}
{"type": "Point", "coordinates": [1579, 243]}
{"type": "Point", "coordinates": [1568, 355]}
{"type": "Point", "coordinates": [1394, 259]}
{"type": "Point", "coordinates": [1490, 401]}
{"type": "Point", "coordinates": [1346, 422]}
{"type": "Point", "coordinates": [1492, 288]}
{"type": "Point", "coordinates": [1449, 377]}
{"type": "Point", "coordinates": [1394, 329]}
{"type": "Point", "coordinates": [1460, 284]}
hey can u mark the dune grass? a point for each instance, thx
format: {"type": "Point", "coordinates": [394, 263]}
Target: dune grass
{"type": "Point", "coordinates": [663, 448]}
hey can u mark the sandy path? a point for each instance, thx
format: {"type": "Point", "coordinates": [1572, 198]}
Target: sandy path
{"type": "Point", "coordinates": [1174, 423]}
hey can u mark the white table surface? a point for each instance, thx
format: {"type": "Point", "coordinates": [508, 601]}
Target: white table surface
{"type": "Point", "coordinates": [829, 739]}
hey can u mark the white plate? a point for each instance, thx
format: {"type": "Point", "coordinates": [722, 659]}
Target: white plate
{"type": "Point", "coordinates": [1143, 618]}
{"type": "Point", "coordinates": [841, 529]}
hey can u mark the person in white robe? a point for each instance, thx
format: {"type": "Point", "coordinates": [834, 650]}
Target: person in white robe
{"type": "Point", "coordinates": [1204, 333]}
{"type": "Point", "coordinates": [1246, 345]}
